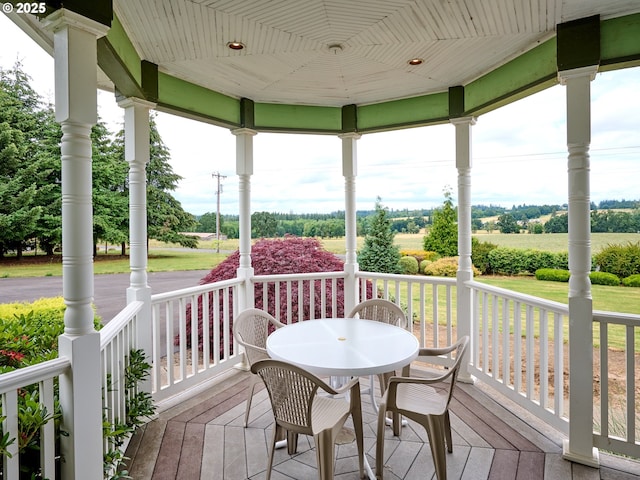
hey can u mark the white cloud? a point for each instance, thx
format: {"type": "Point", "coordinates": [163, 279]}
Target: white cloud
{"type": "Point", "coordinates": [519, 151]}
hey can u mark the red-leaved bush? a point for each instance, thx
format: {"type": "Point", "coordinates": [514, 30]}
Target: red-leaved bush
{"type": "Point", "coordinates": [281, 256]}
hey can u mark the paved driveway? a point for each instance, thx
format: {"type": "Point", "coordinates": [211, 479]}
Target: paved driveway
{"type": "Point", "coordinates": [110, 291]}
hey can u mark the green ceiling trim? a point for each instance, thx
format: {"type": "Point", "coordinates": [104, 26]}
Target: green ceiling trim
{"type": "Point", "coordinates": [183, 96]}
{"type": "Point", "coordinates": [111, 64]}
{"type": "Point", "coordinates": [297, 118]}
{"type": "Point", "coordinates": [423, 110]}
{"type": "Point", "coordinates": [620, 42]}
{"type": "Point", "coordinates": [123, 47]}
{"type": "Point", "coordinates": [515, 79]}
{"type": "Point", "coordinates": [531, 72]}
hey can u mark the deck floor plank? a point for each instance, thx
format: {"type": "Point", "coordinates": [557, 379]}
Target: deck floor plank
{"type": "Point", "coordinates": [204, 438]}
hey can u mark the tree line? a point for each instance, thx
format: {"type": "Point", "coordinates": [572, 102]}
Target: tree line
{"type": "Point", "coordinates": [30, 178]}
{"type": "Point", "coordinates": [524, 218]}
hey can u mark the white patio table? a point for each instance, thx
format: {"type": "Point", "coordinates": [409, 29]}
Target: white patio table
{"type": "Point", "coordinates": [344, 347]}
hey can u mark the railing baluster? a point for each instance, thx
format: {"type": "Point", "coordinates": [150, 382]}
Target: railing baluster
{"type": "Point", "coordinates": [604, 379]}
{"type": "Point", "coordinates": [47, 431]}
{"type": "Point", "coordinates": [544, 357]}
{"type": "Point", "coordinates": [11, 466]}
{"type": "Point", "coordinates": [506, 349]}
{"type": "Point", "coordinates": [558, 364]}
{"type": "Point", "coordinates": [495, 334]}
{"type": "Point", "coordinates": [631, 384]}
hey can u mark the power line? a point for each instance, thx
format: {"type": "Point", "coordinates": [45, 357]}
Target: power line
{"type": "Point", "coordinates": [219, 177]}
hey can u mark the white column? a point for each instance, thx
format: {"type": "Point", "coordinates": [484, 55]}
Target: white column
{"type": "Point", "coordinates": [244, 170]}
{"type": "Point", "coordinates": [579, 447]}
{"type": "Point", "coordinates": [350, 171]}
{"type": "Point", "coordinates": [75, 55]}
{"type": "Point", "coordinates": [465, 273]}
{"type": "Point", "coordinates": [136, 153]}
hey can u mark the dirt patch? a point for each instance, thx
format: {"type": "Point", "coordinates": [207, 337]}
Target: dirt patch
{"type": "Point", "coordinates": [616, 371]}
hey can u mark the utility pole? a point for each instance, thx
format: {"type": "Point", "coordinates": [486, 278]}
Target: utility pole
{"type": "Point", "coordinates": [218, 192]}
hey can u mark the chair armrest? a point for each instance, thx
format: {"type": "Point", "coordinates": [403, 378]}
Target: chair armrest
{"type": "Point", "coordinates": [343, 389]}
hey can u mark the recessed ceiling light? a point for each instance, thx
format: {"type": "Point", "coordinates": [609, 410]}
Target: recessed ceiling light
{"type": "Point", "coordinates": [416, 61]}
{"type": "Point", "coordinates": [235, 45]}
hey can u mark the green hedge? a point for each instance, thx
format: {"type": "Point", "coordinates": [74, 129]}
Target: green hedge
{"type": "Point", "coordinates": [552, 275]}
{"type": "Point", "coordinates": [597, 278]}
{"type": "Point", "coordinates": [604, 278]}
{"type": "Point", "coordinates": [516, 261]}
{"type": "Point", "coordinates": [632, 280]}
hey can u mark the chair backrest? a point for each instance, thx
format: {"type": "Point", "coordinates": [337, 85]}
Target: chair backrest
{"type": "Point", "coordinates": [250, 329]}
{"type": "Point", "coordinates": [292, 391]}
{"type": "Point", "coordinates": [460, 347]}
{"type": "Point", "coordinates": [380, 310]}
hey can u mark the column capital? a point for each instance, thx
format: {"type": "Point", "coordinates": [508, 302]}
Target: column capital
{"type": "Point", "coordinates": [589, 71]}
{"type": "Point", "coordinates": [67, 18]}
{"type": "Point", "coordinates": [244, 131]}
{"type": "Point", "coordinates": [350, 135]}
{"type": "Point", "coordinates": [136, 102]}
{"type": "Point", "coordinates": [463, 120]}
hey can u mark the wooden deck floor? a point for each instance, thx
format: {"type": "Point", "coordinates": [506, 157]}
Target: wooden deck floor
{"type": "Point", "coordinates": [203, 438]}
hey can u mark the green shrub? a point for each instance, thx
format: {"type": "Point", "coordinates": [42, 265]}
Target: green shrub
{"type": "Point", "coordinates": [515, 261]}
{"type": "Point", "coordinates": [446, 267]}
{"type": "Point", "coordinates": [480, 255]}
{"type": "Point", "coordinates": [632, 280]}
{"type": "Point", "coordinates": [31, 330]}
{"type": "Point", "coordinates": [423, 265]}
{"type": "Point", "coordinates": [408, 265]}
{"type": "Point", "coordinates": [552, 275]}
{"type": "Point", "coordinates": [604, 278]}
{"type": "Point", "coordinates": [420, 255]}
{"type": "Point", "coordinates": [621, 260]}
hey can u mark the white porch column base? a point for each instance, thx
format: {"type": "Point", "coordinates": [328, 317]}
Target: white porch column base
{"type": "Point", "coordinates": [350, 171]}
{"type": "Point", "coordinates": [136, 153]}
{"type": "Point", "coordinates": [465, 273]}
{"type": "Point", "coordinates": [75, 54]}
{"type": "Point", "coordinates": [81, 399]}
{"type": "Point", "coordinates": [244, 170]}
{"type": "Point", "coordinates": [579, 447]}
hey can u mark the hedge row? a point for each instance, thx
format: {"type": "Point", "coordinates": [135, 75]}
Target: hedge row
{"type": "Point", "coordinates": [490, 259]}
{"type": "Point", "coordinates": [620, 260]}
{"type": "Point", "coordinates": [597, 278]}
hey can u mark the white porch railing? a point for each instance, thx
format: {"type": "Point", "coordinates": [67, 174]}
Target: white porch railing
{"type": "Point", "coordinates": [618, 419]}
{"type": "Point", "coordinates": [117, 339]}
{"type": "Point", "coordinates": [429, 302]}
{"type": "Point", "coordinates": [43, 374]}
{"type": "Point", "coordinates": [176, 328]}
{"type": "Point", "coordinates": [283, 295]}
{"type": "Point", "coordinates": [518, 347]}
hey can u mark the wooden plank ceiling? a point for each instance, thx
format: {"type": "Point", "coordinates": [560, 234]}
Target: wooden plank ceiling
{"type": "Point", "coordinates": [339, 52]}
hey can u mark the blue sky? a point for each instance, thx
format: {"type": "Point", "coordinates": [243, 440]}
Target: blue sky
{"type": "Point", "coordinates": [519, 151]}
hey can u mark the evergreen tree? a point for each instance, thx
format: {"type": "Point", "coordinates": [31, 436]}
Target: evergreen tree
{"type": "Point", "coordinates": [443, 235]}
{"type": "Point", "coordinates": [109, 195]}
{"type": "Point", "coordinates": [48, 176]}
{"type": "Point", "coordinates": [379, 254]}
{"type": "Point", "coordinates": [20, 137]}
